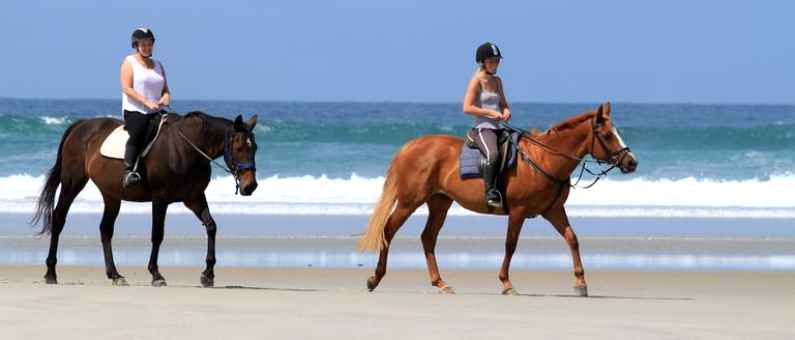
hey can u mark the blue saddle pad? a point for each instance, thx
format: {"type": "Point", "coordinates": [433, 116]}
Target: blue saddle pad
{"type": "Point", "coordinates": [470, 158]}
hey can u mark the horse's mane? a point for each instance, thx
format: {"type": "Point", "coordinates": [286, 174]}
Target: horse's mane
{"type": "Point", "coordinates": [197, 114]}
{"type": "Point", "coordinates": [204, 116]}
{"type": "Point", "coordinates": [571, 122]}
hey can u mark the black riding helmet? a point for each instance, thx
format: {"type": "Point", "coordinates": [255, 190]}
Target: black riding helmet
{"type": "Point", "coordinates": [487, 50]}
{"type": "Point", "coordinates": [141, 34]}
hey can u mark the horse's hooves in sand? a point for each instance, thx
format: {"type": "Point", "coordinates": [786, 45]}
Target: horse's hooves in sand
{"type": "Point", "coordinates": [159, 283]}
{"type": "Point", "coordinates": [371, 284]}
{"type": "Point", "coordinates": [581, 291]}
{"type": "Point", "coordinates": [120, 281]}
{"type": "Point", "coordinates": [510, 291]}
{"type": "Point", "coordinates": [50, 280]}
{"type": "Point", "coordinates": [446, 290]}
{"type": "Point", "coordinates": [207, 281]}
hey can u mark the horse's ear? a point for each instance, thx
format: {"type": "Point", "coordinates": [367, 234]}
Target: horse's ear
{"type": "Point", "coordinates": [601, 115]}
{"type": "Point", "coordinates": [606, 109]}
{"type": "Point", "coordinates": [239, 125]}
{"type": "Point", "coordinates": [252, 123]}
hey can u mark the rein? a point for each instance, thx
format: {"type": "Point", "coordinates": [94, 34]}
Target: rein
{"type": "Point", "coordinates": [613, 159]}
{"type": "Point", "coordinates": [228, 157]}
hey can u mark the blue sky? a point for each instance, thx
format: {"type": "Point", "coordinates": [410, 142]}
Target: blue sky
{"type": "Point", "coordinates": [420, 51]}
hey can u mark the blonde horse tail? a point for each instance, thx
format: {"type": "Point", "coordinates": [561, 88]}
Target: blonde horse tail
{"type": "Point", "coordinates": [374, 238]}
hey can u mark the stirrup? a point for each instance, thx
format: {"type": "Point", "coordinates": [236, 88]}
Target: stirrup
{"type": "Point", "coordinates": [495, 202]}
{"type": "Point", "coordinates": [131, 178]}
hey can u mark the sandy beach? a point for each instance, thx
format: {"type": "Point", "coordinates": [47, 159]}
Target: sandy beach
{"type": "Point", "coordinates": [253, 303]}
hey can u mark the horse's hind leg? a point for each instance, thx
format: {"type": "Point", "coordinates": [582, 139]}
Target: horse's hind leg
{"type": "Point", "coordinates": [559, 219]}
{"type": "Point", "coordinates": [159, 210]}
{"type": "Point", "coordinates": [106, 235]}
{"type": "Point", "coordinates": [438, 206]}
{"type": "Point", "coordinates": [69, 190]}
{"type": "Point", "coordinates": [395, 221]}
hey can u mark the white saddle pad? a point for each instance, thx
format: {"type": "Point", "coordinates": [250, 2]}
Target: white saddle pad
{"type": "Point", "coordinates": [113, 146]}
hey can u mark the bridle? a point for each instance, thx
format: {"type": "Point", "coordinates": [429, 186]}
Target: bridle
{"type": "Point", "coordinates": [229, 158]}
{"type": "Point", "coordinates": [613, 159]}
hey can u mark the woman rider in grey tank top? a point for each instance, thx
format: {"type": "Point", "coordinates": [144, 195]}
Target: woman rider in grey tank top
{"type": "Point", "coordinates": [485, 99]}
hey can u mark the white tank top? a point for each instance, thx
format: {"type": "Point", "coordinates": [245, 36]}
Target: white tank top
{"type": "Point", "coordinates": [147, 82]}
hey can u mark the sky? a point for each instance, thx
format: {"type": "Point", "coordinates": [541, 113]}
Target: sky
{"type": "Point", "coordinates": [414, 51]}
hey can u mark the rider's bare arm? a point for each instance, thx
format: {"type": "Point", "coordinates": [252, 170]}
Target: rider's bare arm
{"type": "Point", "coordinates": [504, 107]}
{"type": "Point", "coordinates": [165, 97]}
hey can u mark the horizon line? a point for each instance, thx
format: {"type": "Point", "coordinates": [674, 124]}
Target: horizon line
{"type": "Point", "coordinates": [420, 102]}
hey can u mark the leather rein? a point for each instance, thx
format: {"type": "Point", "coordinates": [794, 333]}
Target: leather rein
{"type": "Point", "coordinates": [615, 158]}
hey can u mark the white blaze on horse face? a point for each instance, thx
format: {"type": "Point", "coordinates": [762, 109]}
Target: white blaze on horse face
{"type": "Point", "coordinates": [620, 140]}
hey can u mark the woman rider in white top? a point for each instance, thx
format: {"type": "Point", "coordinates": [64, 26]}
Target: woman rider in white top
{"type": "Point", "coordinates": [144, 94]}
{"type": "Point", "coordinates": [485, 99]}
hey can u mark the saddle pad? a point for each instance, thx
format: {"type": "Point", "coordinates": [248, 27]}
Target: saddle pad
{"type": "Point", "coordinates": [469, 162]}
{"type": "Point", "coordinates": [115, 144]}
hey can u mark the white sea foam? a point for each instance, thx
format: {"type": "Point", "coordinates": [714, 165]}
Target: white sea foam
{"type": "Point", "coordinates": [53, 120]}
{"type": "Point", "coordinates": [308, 195]}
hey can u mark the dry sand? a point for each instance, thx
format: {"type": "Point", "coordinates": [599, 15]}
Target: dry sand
{"type": "Point", "coordinates": [333, 304]}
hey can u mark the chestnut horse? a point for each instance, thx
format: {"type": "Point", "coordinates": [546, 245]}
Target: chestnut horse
{"type": "Point", "coordinates": [176, 169]}
{"type": "Point", "coordinates": [426, 171]}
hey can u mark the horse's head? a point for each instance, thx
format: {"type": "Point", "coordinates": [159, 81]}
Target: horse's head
{"type": "Point", "coordinates": [240, 150]}
{"type": "Point", "coordinates": [608, 146]}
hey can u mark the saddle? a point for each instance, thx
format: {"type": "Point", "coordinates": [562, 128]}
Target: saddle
{"type": "Point", "coordinates": [114, 145]}
{"type": "Point", "coordinates": [472, 158]}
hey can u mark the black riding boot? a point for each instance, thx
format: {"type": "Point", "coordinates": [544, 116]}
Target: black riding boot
{"type": "Point", "coordinates": [130, 177]}
{"type": "Point", "coordinates": [493, 197]}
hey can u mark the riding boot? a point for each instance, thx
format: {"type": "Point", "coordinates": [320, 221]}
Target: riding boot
{"type": "Point", "coordinates": [131, 177]}
{"type": "Point", "coordinates": [493, 197]}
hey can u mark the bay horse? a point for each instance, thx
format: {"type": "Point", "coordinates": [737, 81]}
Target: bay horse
{"type": "Point", "coordinates": [426, 171]}
{"type": "Point", "coordinates": [176, 169]}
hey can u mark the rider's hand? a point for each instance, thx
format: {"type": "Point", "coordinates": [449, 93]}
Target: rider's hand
{"type": "Point", "coordinates": [495, 115]}
{"type": "Point", "coordinates": [506, 114]}
{"type": "Point", "coordinates": [152, 106]}
{"type": "Point", "coordinates": [164, 101]}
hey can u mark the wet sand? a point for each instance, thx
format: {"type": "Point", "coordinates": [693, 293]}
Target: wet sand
{"type": "Point", "coordinates": [251, 303]}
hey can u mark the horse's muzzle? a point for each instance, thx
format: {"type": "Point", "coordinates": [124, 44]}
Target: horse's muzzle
{"type": "Point", "coordinates": [248, 182]}
{"type": "Point", "coordinates": [248, 189]}
{"type": "Point", "coordinates": [628, 163]}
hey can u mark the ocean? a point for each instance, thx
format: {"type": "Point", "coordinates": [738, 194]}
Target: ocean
{"type": "Point", "coordinates": [722, 161]}
{"type": "Point", "coordinates": [706, 171]}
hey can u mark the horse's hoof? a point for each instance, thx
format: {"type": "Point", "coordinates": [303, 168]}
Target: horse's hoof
{"type": "Point", "coordinates": [50, 280]}
{"type": "Point", "coordinates": [161, 282]}
{"type": "Point", "coordinates": [371, 284]}
{"type": "Point", "coordinates": [510, 291]}
{"type": "Point", "coordinates": [207, 281]}
{"type": "Point", "coordinates": [120, 281]}
{"type": "Point", "coordinates": [581, 291]}
{"type": "Point", "coordinates": [446, 290]}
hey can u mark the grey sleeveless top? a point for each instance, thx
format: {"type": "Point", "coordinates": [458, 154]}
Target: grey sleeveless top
{"type": "Point", "coordinates": [488, 100]}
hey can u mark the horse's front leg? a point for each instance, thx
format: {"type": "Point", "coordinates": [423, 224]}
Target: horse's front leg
{"type": "Point", "coordinates": [515, 222]}
{"type": "Point", "coordinates": [158, 225]}
{"type": "Point", "coordinates": [557, 216]}
{"type": "Point", "coordinates": [199, 207]}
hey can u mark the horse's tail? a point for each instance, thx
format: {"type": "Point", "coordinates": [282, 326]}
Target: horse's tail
{"type": "Point", "coordinates": [373, 239]}
{"type": "Point", "coordinates": [46, 201]}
